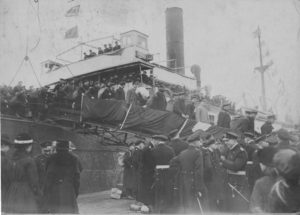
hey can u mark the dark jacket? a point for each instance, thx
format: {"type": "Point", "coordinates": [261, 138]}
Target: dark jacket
{"type": "Point", "coordinates": [41, 161]}
{"type": "Point", "coordinates": [62, 183]}
{"type": "Point", "coordinates": [108, 94]}
{"type": "Point", "coordinates": [224, 119]}
{"type": "Point", "coordinates": [23, 191]}
{"type": "Point", "coordinates": [236, 159]}
{"type": "Point", "coordinates": [5, 179]}
{"type": "Point", "coordinates": [158, 102]}
{"type": "Point", "coordinates": [259, 201]}
{"type": "Point", "coordinates": [266, 128]}
{"type": "Point", "coordinates": [284, 198]}
{"type": "Point", "coordinates": [120, 94]}
{"type": "Point", "coordinates": [129, 179]}
{"type": "Point", "coordinates": [189, 181]}
{"type": "Point", "coordinates": [240, 124]}
{"type": "Point", "coordinates": [190, 111]}
{"type": "Point", "coordinates": [179, 106]}
{"type": "Point", "coordinates": [162, 154]}
{"type": "Point", "coordinates": [178, 145]}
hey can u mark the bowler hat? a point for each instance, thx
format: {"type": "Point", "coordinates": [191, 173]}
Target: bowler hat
{"type": "Point", "coordinates": [62, 145]}
{"type": "Point", "coordinates": [287, 163]}
{"type": "Point", "coordinates": [22, 139]}
{"type": "Point", "coordinates": [283, 134]}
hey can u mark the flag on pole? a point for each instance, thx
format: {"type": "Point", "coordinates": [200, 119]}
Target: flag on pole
{"type": "Point", "coordinates": [72, 33]}
{"type": "Point", "coordinates": [73, 11]}
{"type": "Point", "coordinates": [257, 32]}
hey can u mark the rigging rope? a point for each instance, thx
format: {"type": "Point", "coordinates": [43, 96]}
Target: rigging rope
{"type": "Point", "coordinates": [33, 71]}
{"type": "Point", "coordinates": [20, 66]}
{"type": "Point", "coordinates": [37, 13]}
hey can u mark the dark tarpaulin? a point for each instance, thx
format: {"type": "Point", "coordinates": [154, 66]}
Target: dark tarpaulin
{"type": "Point", "coordinates": [139, 119]}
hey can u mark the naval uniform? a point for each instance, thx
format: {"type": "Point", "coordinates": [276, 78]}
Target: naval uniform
{"type": "Point", "coordinates": [237, 184]}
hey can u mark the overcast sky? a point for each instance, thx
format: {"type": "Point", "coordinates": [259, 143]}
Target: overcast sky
{"type": "Point", "coordinates": [218, 35]}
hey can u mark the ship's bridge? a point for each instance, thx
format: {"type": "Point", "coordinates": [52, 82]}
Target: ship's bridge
{"type": "Point", "coordinates": [132, 54]}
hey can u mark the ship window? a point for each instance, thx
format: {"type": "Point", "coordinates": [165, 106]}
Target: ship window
{"type": "Point", "coordinates": [142, 42]}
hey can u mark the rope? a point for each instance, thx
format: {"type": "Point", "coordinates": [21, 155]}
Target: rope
{"type": "Point", "coordinates": [34, 72]}
{"type": "Point", "coordinates": [37, 12]}
{"type": "Point", "coordinates": [21, 64]}
{"type": "Point", "coordinates": [69, 70]}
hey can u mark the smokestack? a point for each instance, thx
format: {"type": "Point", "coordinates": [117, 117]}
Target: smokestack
{"type": "Point", "coordinates": [174, 38]}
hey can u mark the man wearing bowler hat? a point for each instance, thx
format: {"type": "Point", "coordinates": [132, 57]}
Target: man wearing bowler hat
{"type": "Point", "coordinates": [63, 180]}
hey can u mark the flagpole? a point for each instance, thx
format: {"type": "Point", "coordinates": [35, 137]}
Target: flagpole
{"type": "Point", "coordinates": [81, 105]}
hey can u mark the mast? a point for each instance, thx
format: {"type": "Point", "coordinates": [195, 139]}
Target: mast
{"type": "Point", "coordinates": [262, 70]}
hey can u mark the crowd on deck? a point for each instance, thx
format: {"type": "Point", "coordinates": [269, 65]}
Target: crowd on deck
{"type": "Point", "coordinates": [36, 103]}
{"type": "Point", "coordinates": [240, 171]}
{"type": "Point", "coordinates": [107, 49]}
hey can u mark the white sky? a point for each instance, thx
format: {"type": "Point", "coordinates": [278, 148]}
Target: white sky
{"type": "Point", "coordinates": [217, 36]}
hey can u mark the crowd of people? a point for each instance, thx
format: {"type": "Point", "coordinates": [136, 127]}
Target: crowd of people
{"type": "Point", "coordinates": [37, 103]}
{"type": "Point", "coordinates": [46, 183]}
{"type": "Point", "coordinates": [107, 48]}
{"type": "Point", "coordinates": [241, 171]}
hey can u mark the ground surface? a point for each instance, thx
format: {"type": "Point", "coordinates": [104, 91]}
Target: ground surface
{"type": "Point", "coordinates": [101, 203]}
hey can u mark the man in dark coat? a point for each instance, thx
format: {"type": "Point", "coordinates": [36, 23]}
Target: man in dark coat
{"type": "Point", "coordinates": [5, 170]}
{"type": "Point", "coordinates": [259, 200]}
{"type": "Point", "coordinates": [23, 191]}
{"type": "Point", "coordinates": [244, 123]}
{"type": "Point", "coordinates": [129, 179]}
{"type": "Point", "coordinates": [224, 118]}
{"type": "Point", "coordinates": [189, 177]}
{"type": "Point", "coordinates": [283, 139]}
{"type": "Point", "coordinates": [158, 101]}
{"type": "Point", "coordinates": [234, 161]}
{"type": "Point", "coordinates": [146, 175]}
{"type": "Point", "coordinates": [267, 127]}
{"type": "Point", "coordinates": [63, 180]}
{"type": "Point", "coordinates": [179, 105]}
{"type": "Point", "coordinates": [41, 160]}
{"type": "Point", "coordinates": [120, 94]}
{"type": "Point", "coordinates": [190, 108]}
{"type": "Point", "coordinates": [162, 154]}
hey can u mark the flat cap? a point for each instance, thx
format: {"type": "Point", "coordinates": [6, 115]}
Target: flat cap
{"type": "Point", "coordinates": [194, 137]}
{"type": "Point", "coordinates": [45, 144]}
{"type": "Point", "coordinates": [231, 135]}
{"type": "Point", "coordinates": [273, 116]}
{"type": "Point", "coordinates": [249, 134]}
{"type": "Point", "coordinates": [160, 137]}
{"type": "Point", "coordinates": [251, 111]}
{"type": "Point", "coordinates": [62, 145]}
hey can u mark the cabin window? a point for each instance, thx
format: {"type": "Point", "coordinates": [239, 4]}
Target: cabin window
{"type": "Point", "coordinates": [142, 42]}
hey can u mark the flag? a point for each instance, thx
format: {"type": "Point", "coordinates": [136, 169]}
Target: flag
{"type": "Point", "coordinates": [73, 11]}
{"type": "Point", "coordinates": [72, 33]}
{"type": "Point", "coordinates": [257, 32]}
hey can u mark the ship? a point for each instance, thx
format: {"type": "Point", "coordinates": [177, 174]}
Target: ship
{"type": "Point", "coordinates": [100, 140]}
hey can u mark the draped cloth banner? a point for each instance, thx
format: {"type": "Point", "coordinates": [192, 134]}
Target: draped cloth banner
{"type": "Point", "coordinates": [144, 120]}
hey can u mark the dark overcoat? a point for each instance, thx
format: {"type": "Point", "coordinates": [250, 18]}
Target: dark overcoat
{"type": "Point", "coordinates": [129, 176]}
{"type": "Point", "coordinates": [224, 119]}
{"type": "Point", "coordinates": [23, 191]}
{"type": "Point", "coordinates": [189, 165]}
{"type": "Point", "coordinates": [266, 128]}
{"type": "Point", "coordinates": [5, 179]}
{"type": "Point", "coordinates": [62, 182]}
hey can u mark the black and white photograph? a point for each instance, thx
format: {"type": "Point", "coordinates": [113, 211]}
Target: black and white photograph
{"type": "Point", "coordinates": [150, 107]}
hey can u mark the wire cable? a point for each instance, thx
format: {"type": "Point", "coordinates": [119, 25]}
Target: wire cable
{"type": "Point", "coordinates": [34, 72]}
{"type": "Point", "coordinates": [20, 66]}
{"type": "Point", "coordinates": [37, 13]}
